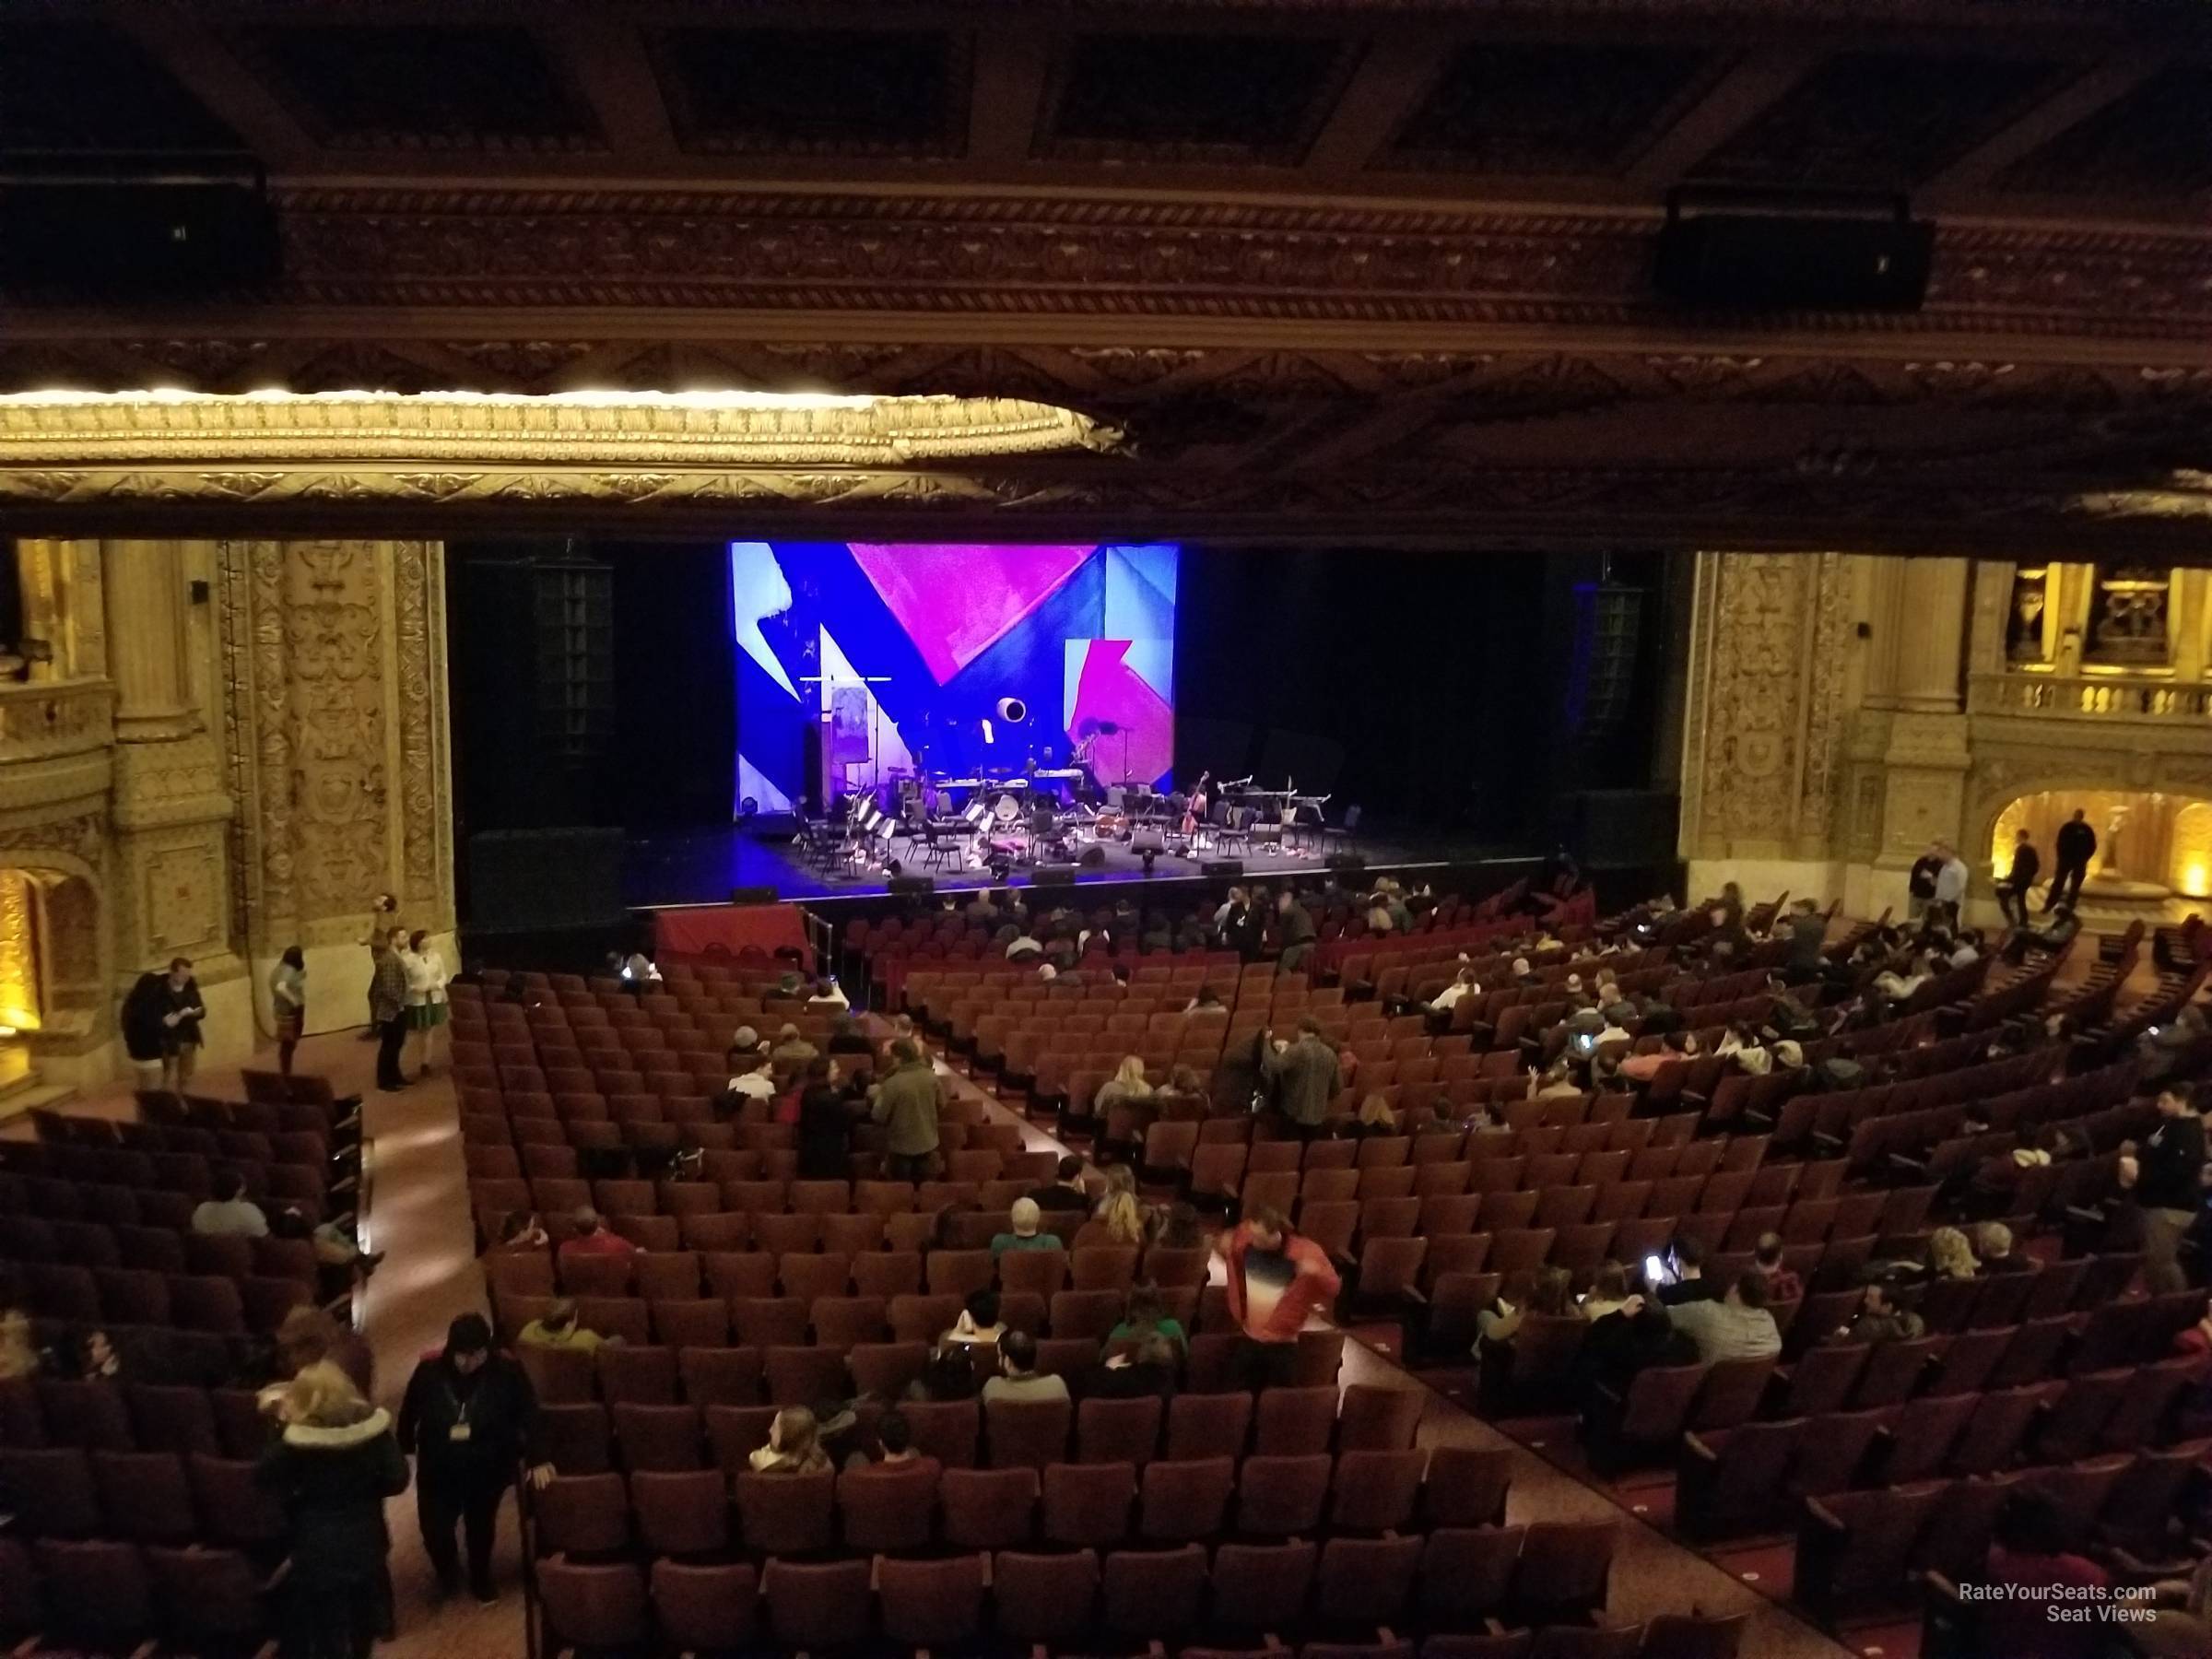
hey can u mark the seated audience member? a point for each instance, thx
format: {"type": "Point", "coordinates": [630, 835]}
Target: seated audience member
{"type": "Point", "coordinates": [521, 1230]}
{"type": "Point", "coordinates": [1882, 1318]}
{"type": "Point", "coordinates": [1554, 1082]}
{"type": "Point", "coordinates": [1998, 1254]}
{"type": "Point", "coordinates": [894, 1447]}
{"type": "Point", "coordinates": [2162, 1048]}
{"type": "Point", "coordinates": [98, 1360]}
{"type": "Point", "coordinates": [1180, 1229]}
{"type": "Point", "coordinates": [1634, 1337]}
{"type": "Point", "coordinates": [230, 1211]}
{"type": "Point", "coordinates": [1124, 1213]}
{"type": "Point", "coordinates": [978, 1320]}
{"type": "Point", "coordinates": [2196, 1339]}
{"type": "Point", "coordinates": [1019, 1378]}
{"type": "Point", "coordinates": [1149, 1370]}
{"type": "Point", "coordinates": [1691, 1284]}
{"type": "Point", "coordinates": [1950, 1256]}
{"type": "Point", "coordinates": [2055, 935]}
{"type": "Point", "coordinates": [1375, 1116]}
{"type": "Point", "coordinates": [1499, 1320]}
{"type": "Point", "coordinates": [1738, 1326]}
{"type": "Point", "coordinates": [828, 994]}
{"type": "Point", "coordinates": [1608, 1291]}
{"type": "Point", "coordinates": [847, 1038]}
{"type": "Point", "coordinates": [1148, 1316]}
{"type": "Point", "coordinates": [755, 1078]}
{"type": "Point", "coordinates": [792, 1052]}
{"type": "Point", "coordinates": [1782, 1283]}
{"type": "Point", "coordinates": [1673, 1046]}
{"type": "Point", "coordinates": [2030, 1558]}
{"type": "Point", "coordinates": [1025, 946]}
{"type": "Point", "coordinates": [1206, 997]}
{"type": "Point", "coordinates": [1463, 986]}
{"type": "Point", "coordinates": [794, 1445]}
{"type": "Point", "coordinates": [593, 1237]}
{"type": "Point", "coordinates": [556, 1328]}
{"type": "Point", "coordinates": [1124, 1087]}
{"type": "Point", "coordinates": [1026, 1222]}
{"type": "Point", "coordinates": [1065, 1194]}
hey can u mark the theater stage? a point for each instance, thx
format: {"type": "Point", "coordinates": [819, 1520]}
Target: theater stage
{"type": "Point", "coordinates": [701, 866]}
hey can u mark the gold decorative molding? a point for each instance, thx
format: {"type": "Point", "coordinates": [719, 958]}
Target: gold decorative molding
{"type": "Point", "coordinates": [590, 430]}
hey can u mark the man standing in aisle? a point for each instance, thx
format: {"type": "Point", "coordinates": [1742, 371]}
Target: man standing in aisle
{"type": "Point", "coordinates": [388, 1008]}
{"type": "Point", "coordinates": [1275, 1280]}
{"type": "Point", "coordinates": [906, 1104]}
{"type": "Point", "coordinates": [2012, 892]}
{"type": "Point", "coordinates": [1948, 905]}
{"type": "Point", "coordinates": [2165, 1174]}
{"type": "Point", "coordinates": [1305, 1074]}
{"type": "Point", "coordinates": [2077, 844]}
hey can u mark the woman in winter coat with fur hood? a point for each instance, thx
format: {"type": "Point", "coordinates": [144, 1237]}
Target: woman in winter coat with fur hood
{"type": "Point", "coordinates": [333, 1465]}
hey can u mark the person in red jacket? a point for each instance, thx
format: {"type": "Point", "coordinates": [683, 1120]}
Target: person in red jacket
{"type": "Point", "coordinates": [1275, 1280]}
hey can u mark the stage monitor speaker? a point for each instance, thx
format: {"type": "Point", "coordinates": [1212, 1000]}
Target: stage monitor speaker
{"type": "Point", "coordinates": [1740, 258]}
{"type": "Point", "coordinates": [1146, 840]}
{"type": "Point", "coordinates": [1092, 856]}
{"type": "Point", "coordinates": [1231, 867]}
{"type": "Point", "coordinates": [1617, 828]}
{"type": "Point", "coordinates": [535, 879]}
{"type": "Point", "coordinates": [1053, 875]}
{"type": "Point", "coordinates": [754, 895]}
{"type": "Point", "coordinates": [137, 240]}
{"type": "Point", "coordinates": [1347, 864]}
{"type": "Point", "coordinates": [912, 886]}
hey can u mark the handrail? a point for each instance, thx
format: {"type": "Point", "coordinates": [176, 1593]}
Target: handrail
{"type": "Point", "coordinates": [2087, 697]}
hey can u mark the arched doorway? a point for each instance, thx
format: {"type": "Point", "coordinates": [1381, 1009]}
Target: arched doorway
{"type": "Point", "coordinates": [49, 980]}
{"type": "Point", "coordinates": [2154, 851]}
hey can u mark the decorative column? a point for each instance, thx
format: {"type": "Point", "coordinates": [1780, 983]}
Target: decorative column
{"type": "Point", "coordinates": [145, 590]}
{"type": "Point", "coordinates": [1926, 761]}
{"type": "Point", "coordinates": [170, 805]}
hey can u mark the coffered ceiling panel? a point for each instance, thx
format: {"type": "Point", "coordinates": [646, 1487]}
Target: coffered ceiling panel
{"type": "Point", "coordinates": [825, 92]}
{"type": "Point", "coordinates": [78, 87]}
{"type": "Point", "coordinates": [2156, 140]}
{"type": "Point", "coordinates": [445, 86]}
{"type": "Point", "coordinates": [1882, 119]}
{"type": "Point", "coordinates": [1174, 97]}
{"type": "Point", "coordinates": [1532, 107]}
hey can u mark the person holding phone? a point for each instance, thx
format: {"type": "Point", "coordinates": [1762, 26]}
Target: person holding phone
{"type": "Point", "coordinates": [181, 1019]}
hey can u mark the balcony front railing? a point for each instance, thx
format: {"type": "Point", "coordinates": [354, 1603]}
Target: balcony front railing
{"type": "Point", "coordinates": [2088, 698]}
{"type": "Point", "coordinates": [44, 718]}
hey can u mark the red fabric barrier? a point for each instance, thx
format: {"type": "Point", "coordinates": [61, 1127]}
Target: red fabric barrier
{"type": "Point", "coordinates": [699, 930]}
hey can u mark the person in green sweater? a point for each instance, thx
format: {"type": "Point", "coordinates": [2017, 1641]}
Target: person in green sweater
{"type": "Point", "coordinates": [1148, 1316]}
{"type": "Point", "coordinates": [1027, 1222]}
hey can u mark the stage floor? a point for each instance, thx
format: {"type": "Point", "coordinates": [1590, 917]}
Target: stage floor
{"type": "Point", "coordinates": [701, 866]}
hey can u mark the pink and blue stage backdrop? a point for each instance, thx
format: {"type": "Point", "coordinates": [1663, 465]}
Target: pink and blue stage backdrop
{"type": "Point", "coordinates": [954, 659]}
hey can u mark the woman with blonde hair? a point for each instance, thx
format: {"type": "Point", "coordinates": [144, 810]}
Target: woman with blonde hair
{"type": "Point", "coordinates": [1122, 1211]}
{"type": "Point", "coordinates": [332, 1467]}
{"type": "Point", "coordinates": [1376, 1116]}
{"type": "Point", "coordinates": [794, 1445]}
{"type": "Point", "coordinates": [1950, 1256]}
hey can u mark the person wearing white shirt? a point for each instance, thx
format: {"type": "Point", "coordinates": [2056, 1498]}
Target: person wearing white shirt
{"type": "Point", "coordinates": [755, 1083]}
{"type": "Point", "coordinates": [426, 980]}
{"type": "Point", "coordinates": [1950, 882]}
{"type": "Point", "coordinates": [1449, 997]}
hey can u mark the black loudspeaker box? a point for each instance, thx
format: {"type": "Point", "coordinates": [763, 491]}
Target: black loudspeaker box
{"type": "Point", "coordinates": [1347, 863]}
{"type": "Point", "coordinates": [135, 240]}
{"type": "Point", "coordinates": [1093, 856]}
{"type": "Point", "coordinates": [1053, 875]}
{"type": "Point", "coordinates": [535, 880]}
{"type": "Point", "coordinates": [1148, 840]}
{"type": "Point", "coordinates": [754, 895]}
{"type": "Point", "coordinates": [1222, 867]}
{"type": "Point", "coordinates": [1795, 261]}
{"type": "Point", "coordinates": [912, 886]}
{"type": "Point", "coordinates": [1617, 828]}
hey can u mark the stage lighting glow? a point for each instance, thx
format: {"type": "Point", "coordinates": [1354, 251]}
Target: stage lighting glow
{"type": "Point", "coordinates": [899, 660]}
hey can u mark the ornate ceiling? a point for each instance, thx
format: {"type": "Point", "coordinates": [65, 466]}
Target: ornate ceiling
{"type": "Point", "coordinates": [1345, 266]}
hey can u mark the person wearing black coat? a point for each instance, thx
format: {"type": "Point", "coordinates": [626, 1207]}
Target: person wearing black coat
{"type": "Point", "coordinates": [2070, 854]}
{"type": "Point", "coordinates": [825, 1125]}
{"type": "Point", "coordinates": [331, 1467]}
{"type": "Point", "coordinates": [145, 1032]}
{"type": "Point", "coordinates": [2012, 892]}
{"type": "Point", "coordinates": [469, 1418]}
